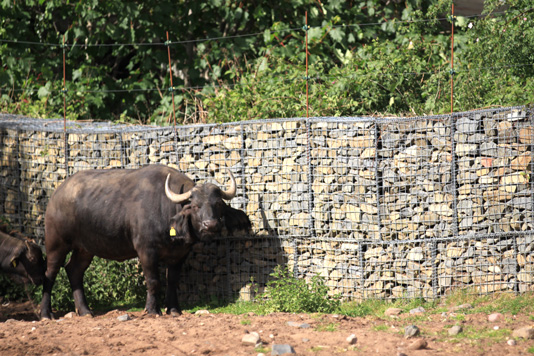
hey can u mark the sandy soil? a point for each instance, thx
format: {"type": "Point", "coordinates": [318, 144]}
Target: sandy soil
{"type": "Point", "coordinates": [221, 334]}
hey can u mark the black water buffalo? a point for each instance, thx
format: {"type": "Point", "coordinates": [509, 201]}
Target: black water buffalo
{"type": "Point", "coordinates": [155, 213]}
{"type": "Point", "coordinates": [21, 259]}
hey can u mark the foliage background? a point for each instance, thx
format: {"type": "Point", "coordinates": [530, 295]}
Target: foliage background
{"type": "Point", "coordinates": [246, 60]}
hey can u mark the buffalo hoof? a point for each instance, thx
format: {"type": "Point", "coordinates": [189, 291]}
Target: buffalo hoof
{"type": "Point", "coordinates": [86, 313]}
{"type": "Point", "coordinates": [155, 312]}
{"type": "Point", "coordinates": [47, 316]}
{"type": "Point", "coordinates": [174, 312]}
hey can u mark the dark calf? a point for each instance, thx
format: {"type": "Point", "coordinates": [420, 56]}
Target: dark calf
{"type": "Point", "coordinates": [21, 259]}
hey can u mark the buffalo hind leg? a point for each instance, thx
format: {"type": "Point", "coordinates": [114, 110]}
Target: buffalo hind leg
{"type": "Point", "coordinates": [78, 263]}
{"type": "Point", "coordinates": [54, 261]}
{"type": "Point", "coordinates": [171, 300]}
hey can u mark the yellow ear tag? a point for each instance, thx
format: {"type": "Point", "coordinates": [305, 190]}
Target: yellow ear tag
{"type": "Point", "coordinates": [172, 232]}
{"type": "Point", "coordinates": [14, 263]}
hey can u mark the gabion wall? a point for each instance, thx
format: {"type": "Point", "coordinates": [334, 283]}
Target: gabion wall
{"type": "Point", "coordinates": [382, 208]}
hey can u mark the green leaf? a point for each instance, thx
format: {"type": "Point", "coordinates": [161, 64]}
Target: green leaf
{"type": "Point", "coordinates": [315, 33]}
{"type": "Point", "coordinates": [77, 74]}
{"type": "Point", "coordinates": [336, 34]}
{"type": "Point", "coordinates": [43, 92]}
{"type": "Point", "coordinates": [461, 21]}
{"type": "Point", "coordinates": [267, 36]}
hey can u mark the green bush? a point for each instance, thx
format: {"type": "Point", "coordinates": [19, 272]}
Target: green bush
{"type": "Point", "coordinates": [14, 291]}
{"type": "Point", "coordinates": [365, 57]}
{"type": "Point", "coordinates": [106, 283]}
{"type": "Point", "coordinates": [287, 293]}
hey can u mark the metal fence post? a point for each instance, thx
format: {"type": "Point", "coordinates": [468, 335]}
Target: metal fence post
{"type": "Point", "coordinates": [243, 151]}
{"type": "Point", "coordinates": [378, 180]}
{"type": "Point", "coordinates": [311, 222]}
{"type": "Point", "coordinates": [515, 269]}
{"type": "Point", "coordinates": [122, 148]}
{"type": "Point", "coordinates": [435, 279]}
{"type": "Point", "coordinates": [66, 150]}
{"type": "Point", "coordinates": [454, 185]}
{"type": "Point", "coordinates": [530, 113]}
{"type": "Point", "coordinates": [19, 181]}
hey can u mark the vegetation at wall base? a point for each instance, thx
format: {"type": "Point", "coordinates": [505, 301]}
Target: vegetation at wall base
{"type": "Point", "coordinates": [504, 303]}
{"type": "Point", "coordinates": [107, 284]}
{"type": "Point", "coordinates": [14, 291]}
{"type": "Point", "coordinates": [365, 57]}
{"type": "Point", "coordinates": [101, 299]}
{"type": "Point", "coordinates": [286, 293]}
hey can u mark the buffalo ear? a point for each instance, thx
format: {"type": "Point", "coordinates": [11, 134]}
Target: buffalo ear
{"type": "Point", "coordinates": [182, 226]}
{"type": "Point", "coordinates": [29, 254]}
{"type": "Point", "coordinates": [16, 256]}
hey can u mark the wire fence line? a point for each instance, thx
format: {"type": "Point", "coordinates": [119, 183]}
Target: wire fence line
{"type": "Point", "coordinates": [84, 44]}
{"type": "Point", "coordinates": [380, 207]}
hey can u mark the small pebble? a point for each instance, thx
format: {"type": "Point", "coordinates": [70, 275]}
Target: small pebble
{"type": "Point", "coordinates": [352, 339]}
{"type": "Point", "coordinates": [282, 349]}
{"type": "Point", "coordinates": [417, 310]}
{"type": "Point", "coordinates": [455, 330]}
{"type": "Point", "coordinates": [393, 311]}
{"type": "Point", "coordinates": [250, 339]}
{"type": "Point", "coordinates": [411, 331]}
{"type": "Point", "coordinates": [524, 333]}
{"type": "Point", "coordinates": [124, 317]}
{"type": "Point", "coordinates": [494, 317]}
{"type": "Point", "coordinates": [298, 325]}
{"type": "Point", "coordinates": [418, 344]}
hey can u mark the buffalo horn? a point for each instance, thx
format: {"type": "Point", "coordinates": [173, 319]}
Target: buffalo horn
{"type": "Point", "coordinates": [175, 198]}
{"type": "Point", "coordinates": [230, 193]}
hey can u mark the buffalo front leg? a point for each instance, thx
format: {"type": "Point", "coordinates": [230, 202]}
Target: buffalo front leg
{"type": "Point", "coordinates": [55, 260]}
{"type": "Point", "coordinates": [150, 270]}
{"type": "Point", "coordinates": [76, 267]}
{"type": "Point", "coordinates": [173, 275]}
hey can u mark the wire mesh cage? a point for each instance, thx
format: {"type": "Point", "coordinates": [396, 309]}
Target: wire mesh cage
{"type": "Point", "coordinates": [380, 207]}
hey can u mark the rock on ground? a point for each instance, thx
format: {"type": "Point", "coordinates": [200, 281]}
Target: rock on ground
{"type": "Point", "coordinates": [282, 349]}
{"type": "Point", "coordinates": [411, 331]}
{"type": "Point", "coordinates": [524, 333]}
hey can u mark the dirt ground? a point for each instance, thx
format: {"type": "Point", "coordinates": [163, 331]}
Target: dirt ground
{"type": "Point", "coordinates": [221, 334]}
